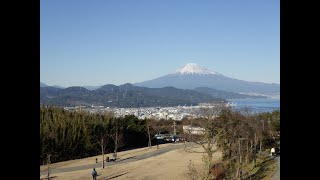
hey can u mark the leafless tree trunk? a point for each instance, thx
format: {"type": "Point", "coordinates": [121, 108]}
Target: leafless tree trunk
{"type": "Point", "coordinates": [102, 149]}
{"type": "Point", "coordinates": [184, 139]}
{"type": "Point", "coordinates": [191, 130]}
{"type": "Point", "coordinates": [247, 157]}
{"type": "Point", "coordinates": [117, 137]}
{"type": "Point", "coordinates": [149, 143]}
{"type": "Point", "coordinates": [240, 157]}
{"type": "Point", "coordinates": [103, 145]}
{"type": "Point", "coordinates": [48, 166]}
{"type": "Point", "coordinates": [255, 142]}
{"type": "Point", "coordinates": [238, 172]}
{"type": "Point", "coordinates": [260, 150]}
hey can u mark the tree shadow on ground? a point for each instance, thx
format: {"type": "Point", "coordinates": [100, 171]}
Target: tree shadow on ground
{"type": "Point", "coordinates": [125, 159]}
{"type": "Point", "coordinates": [265, 166]}
{"type": "Point", "coordinates": [51, 177]}
{"type": "Point", "coordinates": [114, 176]}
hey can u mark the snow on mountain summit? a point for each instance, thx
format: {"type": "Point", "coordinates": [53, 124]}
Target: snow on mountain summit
{"type": "Point", "coordinates": [193, 68]}
{"type": "Point", "coordinates": [193, 76]}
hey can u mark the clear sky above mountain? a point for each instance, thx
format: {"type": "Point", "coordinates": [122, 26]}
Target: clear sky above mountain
{"type": "Point", "coordinates": [125, 41]}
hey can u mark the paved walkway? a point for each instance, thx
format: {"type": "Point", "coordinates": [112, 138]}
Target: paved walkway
{"type": "Point", "coordinates": [277, 175]}
{"type": "Point", "coordinates": [120, 161]}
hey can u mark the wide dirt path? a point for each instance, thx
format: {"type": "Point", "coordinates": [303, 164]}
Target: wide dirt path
{"type": "Point", "coordinates": [120, 161]}
{"type": "Point", "coordinates": [277, 175]}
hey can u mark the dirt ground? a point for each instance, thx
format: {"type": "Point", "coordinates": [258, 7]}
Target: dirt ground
{"type": "Point", "coordinates": [171, 165]}
{"type": "Point", "coordinates": [91, 160]}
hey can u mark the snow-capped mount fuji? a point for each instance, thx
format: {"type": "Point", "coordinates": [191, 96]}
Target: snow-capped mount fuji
{"type": "Point", "coordinates": [193, 68]}
{"type": "Point", "coordinates": [192, 76]}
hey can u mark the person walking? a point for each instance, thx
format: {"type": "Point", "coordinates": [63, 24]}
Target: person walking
{"type": "Point", "coordinates": [272, 151]}
{"type": "Point", "coordinates": [94, 174]}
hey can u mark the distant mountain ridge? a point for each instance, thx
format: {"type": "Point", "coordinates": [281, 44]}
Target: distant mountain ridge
{"type": "Point", "coordinates": [92, 87]}
{"type": "Point", "coordinates": [224, 94]}
{"type": "Point", "coordinates": [43, 84]}
{"type": "Point", "coordinates": [126, 95]}
{"type": "Point", "coordinates": [193, 76]}
{"type": "Point", "coordinates": [57, 86]}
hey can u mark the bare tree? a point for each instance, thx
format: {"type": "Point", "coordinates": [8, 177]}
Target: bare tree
{"type": "Point", "coordinates": [148, 123]}
{"type": "Point", "coordinates": [117, 137]}
{"type": "Point", "coordinates": [104, 138]}
{"type": "Point", "coordinates": [211, 134]}
{"type": "Point", "coordinates": [153, 128]}
{"type": "Point", "coordinates": [149, 142]}
{"type": "Point", "coordinates": [238, 134]}
{"type": "Point", "coordinates": [48, 166]}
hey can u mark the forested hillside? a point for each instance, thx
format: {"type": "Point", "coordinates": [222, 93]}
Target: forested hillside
{"type": "Point", "coordinates": [69, 135]}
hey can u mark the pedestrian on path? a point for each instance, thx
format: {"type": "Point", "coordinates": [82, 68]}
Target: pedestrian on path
{"type": "Point", "coordinates": [272, 151]}
{"type": "Point", "coordinates": [94, 174]}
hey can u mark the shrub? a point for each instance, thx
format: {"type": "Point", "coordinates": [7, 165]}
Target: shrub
{"type": "Point", "coordinates": [218, 171]}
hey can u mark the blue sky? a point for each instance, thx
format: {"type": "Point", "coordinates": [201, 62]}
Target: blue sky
{"type": "Point", "coordinates": [127, 41]}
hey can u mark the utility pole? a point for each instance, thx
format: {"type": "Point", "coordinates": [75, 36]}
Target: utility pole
{"type": "Point", "coordinates": [48, 166]}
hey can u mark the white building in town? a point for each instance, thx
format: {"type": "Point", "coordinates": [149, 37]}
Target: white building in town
{"type": "Point", "coordinates": [193, 129]}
